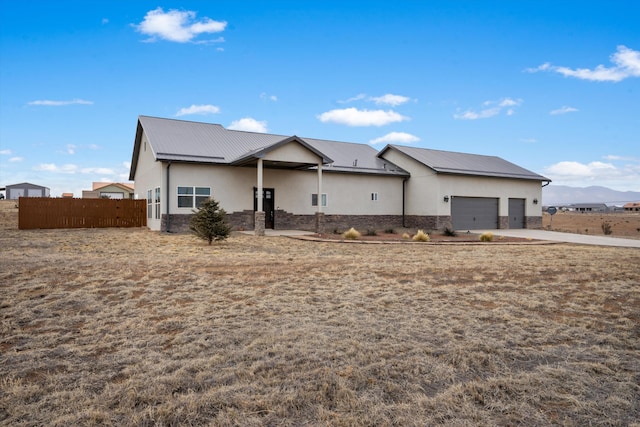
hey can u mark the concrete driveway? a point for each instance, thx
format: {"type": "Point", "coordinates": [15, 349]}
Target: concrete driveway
{"type": "Point", "coordinates": [555, 236]}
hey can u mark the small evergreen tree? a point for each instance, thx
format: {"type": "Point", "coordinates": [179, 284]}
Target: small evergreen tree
{"type": "Point", "coordinates": [209, 222]}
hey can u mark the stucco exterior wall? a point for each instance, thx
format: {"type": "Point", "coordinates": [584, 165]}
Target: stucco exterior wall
{"type": "Point", "coordinates": [346, 194]}
{"type": "Point", "coordinates": [425, 190]}
{"type": "Point", "coordinates": [149, 175]}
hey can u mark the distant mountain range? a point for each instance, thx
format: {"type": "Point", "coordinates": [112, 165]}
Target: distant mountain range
{"type": "Point", "coordinates": [554, 195]}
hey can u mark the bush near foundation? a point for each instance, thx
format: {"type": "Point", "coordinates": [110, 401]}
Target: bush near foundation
{"type": "Point", "coordinates": [486, 237]}
{"type": "Point", "coordinates": [351, 234]}
{"type": "Point", "coordinates": [421, 236]}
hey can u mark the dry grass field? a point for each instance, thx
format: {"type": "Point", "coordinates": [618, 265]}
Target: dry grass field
{"type": "Point", "coordinates": [133, 327]}
{"type": "Point", "coordinates": [623, 224]}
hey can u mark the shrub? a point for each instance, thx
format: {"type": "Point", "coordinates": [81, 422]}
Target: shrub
{"type": "Point", "coordinates": [209, 222]}
{"type": "Point", "coordinates": [351, 234]}
{"type": "Point", "coordinates": [421, 236]}
{"type": "Point", "coordinates": [449, 232]}
{"type": "Point", "coordinates": [406, 236]}
{"type": "Point", "coordinates": [487, 236]}
{"type": "Point", "coordinates": [371, 233]}
{"type": "Point", "coordinates": [389, 231]}
{"type": "Point", "coordinates": [606, 228]}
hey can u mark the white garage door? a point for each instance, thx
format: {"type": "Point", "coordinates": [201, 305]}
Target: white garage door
{"type": "Point", "coordinates": [34, 192]}
{"type": "Point", "coordinates": [474, 213]}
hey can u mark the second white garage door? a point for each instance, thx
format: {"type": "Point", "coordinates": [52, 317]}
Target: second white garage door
{"type": "Point", "coordinates": [473, 213]}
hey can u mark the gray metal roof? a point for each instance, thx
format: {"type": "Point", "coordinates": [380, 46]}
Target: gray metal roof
{"type": "Point", "coordinates": [179, 140]}
{"type": "Point", "coordinates": [186, 141]}
{"type": "Point", "coordinates": [466, 164]}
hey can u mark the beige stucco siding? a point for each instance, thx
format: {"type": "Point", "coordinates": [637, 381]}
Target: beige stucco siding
{"type": "Point", "coordinates": [292, 152]}
{"type": "Point", "coordinates": [425, 190]}
{"type": "Point", "coordinates": [346, 194]}
{"type": "Point", "coordinates": [149, 175]}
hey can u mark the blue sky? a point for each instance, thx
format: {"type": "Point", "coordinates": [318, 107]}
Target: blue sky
{"type": "Point", "coordinates": [553, 86]}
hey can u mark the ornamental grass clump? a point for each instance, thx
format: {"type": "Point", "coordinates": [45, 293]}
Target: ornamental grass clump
{"type": "Point", "coordinates": [351, 234]}
{"type": "Point", "coordinates": [421, 236]}
{"type": "Point", "coordinates": [486, 237]}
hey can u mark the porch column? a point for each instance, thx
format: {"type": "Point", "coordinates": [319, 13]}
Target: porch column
{"type": "Point", "coordinates": [259, 214]}
{"type": "Point", "coordinates": [319, 213]}
{"type": "Point", "coordinates": [319, 186]}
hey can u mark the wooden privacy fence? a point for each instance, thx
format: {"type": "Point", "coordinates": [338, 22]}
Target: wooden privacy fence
{"type": "Point", "coordinates": [42, 212]}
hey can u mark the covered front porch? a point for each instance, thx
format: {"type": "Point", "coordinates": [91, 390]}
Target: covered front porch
{"type": "Point", "coordinates": [289, 154]}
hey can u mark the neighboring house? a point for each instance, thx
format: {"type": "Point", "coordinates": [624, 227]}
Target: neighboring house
{"type": "Point", "coordinates": [26, 189]}
{"type": "Point", "coordinates": [275, 181]}
{"type": "Point", "coordinates": [67, 195]}
{"type": "Point", "coordinates": [632, 207]}
{"type": "Point", "coordinates": [589, 207]}
{"type": "Point", "coordinates": [109, 190]}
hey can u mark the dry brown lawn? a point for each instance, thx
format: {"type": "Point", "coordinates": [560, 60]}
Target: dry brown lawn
{"type": "Point", "coordinates": [133, 327]}
{"type": "Point", "coordinates": [623, 224]}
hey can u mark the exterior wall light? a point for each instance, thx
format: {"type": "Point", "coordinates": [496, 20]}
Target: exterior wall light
{"type": "Point", "coordinates": [535, 201]}
{"type": "Point", "coordinates": [446, 199]}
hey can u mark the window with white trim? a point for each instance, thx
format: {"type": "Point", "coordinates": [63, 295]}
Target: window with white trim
{"type": "Point", "coordinates": [374, 197]}
{"type": "Point", "coordinates": [192, 197]}
{"type": "Point", "coordinates": [314, 199]}
{"type": "Point", "coordinates": [149, 205]}
{"type": "Point", "coordinates": [157, 202]}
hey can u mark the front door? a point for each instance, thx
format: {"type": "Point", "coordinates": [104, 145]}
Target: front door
{"type": "Point", "coordinates": [268, 203]}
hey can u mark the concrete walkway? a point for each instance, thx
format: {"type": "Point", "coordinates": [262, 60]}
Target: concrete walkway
{"type": "Point", "coordinates": [270, 232]}
{"type": "Point", "coordinates": [555, 236]}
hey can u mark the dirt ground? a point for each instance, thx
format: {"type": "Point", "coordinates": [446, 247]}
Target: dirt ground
{"type": "Point", "coordinates": [134, 327]}
{"type": "Point", "coordinates": [623, 224]}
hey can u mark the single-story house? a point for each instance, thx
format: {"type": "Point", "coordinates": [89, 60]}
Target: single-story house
{"type": "Point", "coordinates": [25, 189]}
{"type": "Point", "coordinates": [277, 181]}
{"type": "Point", "coordinates": [589, 207]}
{"type": "Point", "coordinates": [632, 207]}
{"type": "Point", "coordinates": [109, 190]}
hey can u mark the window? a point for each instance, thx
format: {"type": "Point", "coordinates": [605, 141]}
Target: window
{"type": "Point", "coordinates": [314, 199]}
{"type": "Point", "coordinates": [149, 205]}
{"type": "Point", "coordinates": [374, 197]}
{"type": "Point", "coordinates": [192, 197]}
{"type": "Point", "coordinates": [157, 202]}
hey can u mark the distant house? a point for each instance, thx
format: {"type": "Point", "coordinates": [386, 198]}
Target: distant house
{"type": "Point", "coordinates": [589, 207]}
{"type": "Point", "coordinates": [278, 181]}
{"type": "Point", "coordinates": [26, 189]}
{"type": "Point", "coordinates": [67, 195]}
{"type": "Point", "coordinates": [632, 207]}
{"type": "Point", "coordinates": [109, 190]}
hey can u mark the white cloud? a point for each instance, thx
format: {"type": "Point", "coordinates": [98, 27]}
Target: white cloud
{"type": "Point", "coordinates": [52, 167]}
{"type": "Point", "coordinates": [50, 103]}
{"type": "Point", "coordinates": [248, 124]}
{"type": "Point", "coordinates": [570, 169]}
{"type": "Point", "coordinates": [402, 137]}
{"type": "Point", "coordinates": [16, 159]}
{"type": "Point", "coordinates": [563, 110]}
{"type": "Point", "coordinates": [198, 109]}
{"type": "Point", "coordinates": [354, 117]}
{"type": "Point", "coordinates": [472, 115]}
{"type": "Point", "coordinates": [98, 171]}
{"type": "Point", "coordinates": [6, 152]}
{"type": "Point", "coordinates": [358, 97]}
{"type": "Point", "coordinates": [71, 149]}
{"type": "Point", "coordinates": [615, 157]}
{"type": "Point", "coordinates": [626, 63]}
{"type": "Point", "coordinates": [177, 26]}
{"type": "Point", "coordinates": [266, 97]}
{"type": "Point", "coordinates": [389, 99]}
{"type": "Point", "coordinates": [127, 165]}
{"type": "Point", "coordinates": [496, 107]}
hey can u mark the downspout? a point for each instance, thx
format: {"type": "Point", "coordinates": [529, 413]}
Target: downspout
{"type": "Point", "coordinates": [168, 230]}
